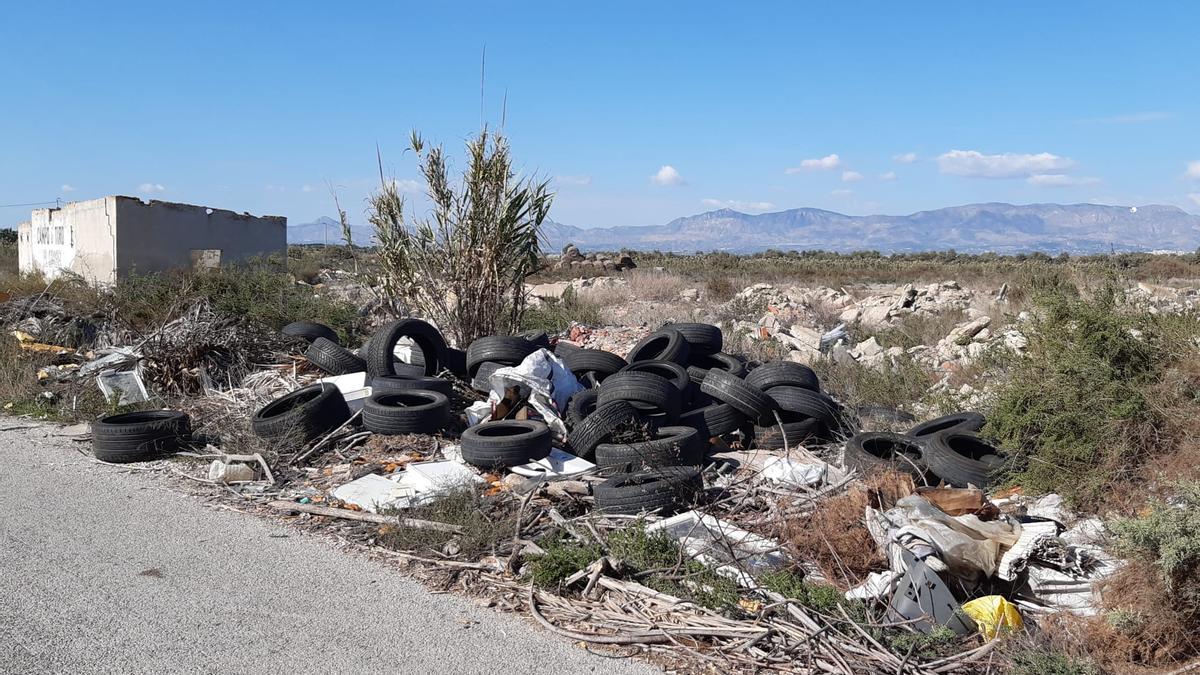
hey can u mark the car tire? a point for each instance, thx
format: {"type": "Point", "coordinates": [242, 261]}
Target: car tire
{"type": "Point", "coordinates": [333, 358]}
{"type": "Point", "coordinates": [139, 436]}
{"type": "Point", "coordinates": [502, 349]}
{"type": "Point", "coordinates": [952, 456]}
{"type": "Point", "coordinates": [310, 330]}
{"type": "Point", "coordinates": [784, 374]}
{"type": "Point", "coordinates": [406, 412]}
{"type": "Point", "coordinates": [702, 338]}
{"type": "Point", "coordinates": [668, 370]}
{"type": "Point", "coordinates": [582, 404]}
{"type": "Point", "coordinates": [599, 427]}
{"type": "Point", "coordinates": [505, 443]}
{"type": "Point", "coordinates": [396, 383]}
{"type": "Point", "coordinates": [876, 450]}
{"type": "Point", "coordinates": [748, 399]}
{"type": "Point", "coordinates": [654, 395]}
{"type": "Point", "coordinates": [596, 363]}
{"type": "Point", "coordinates": [792, 434]}
{"type": "Point", "coordinates": [303, 414]}
{"type": "Point", "coordinates": [664, 344]}
{"type": "Point", "coordinates": [664, 490]}
{"type": "Point", "coordinates": [381, 358]}
{"type": "Point", "coordinates": [714, 420]}
{"type": "Point", "coordinates": [964, 422]}
{"type": "Point", "coordinates": [671, 446]}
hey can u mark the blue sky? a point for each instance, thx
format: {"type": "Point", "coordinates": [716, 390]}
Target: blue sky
{"type": "Point", "coordinates": [640, 112]}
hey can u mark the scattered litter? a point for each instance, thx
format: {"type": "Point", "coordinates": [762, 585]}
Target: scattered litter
{"type": "Point", "coordinates": [993, 615]}
{"type": "Point", "coordinates": [784, 470]}
{"type": "Point", "coordinates": [545, 380]}
{"type": "Point", "coordinates": [373, 492]}
{"type": "Point", "coordinates": [558, 464]}
{"type": "Point", "coordinates": [730, 550]}
{"type": "Point", "coordinates": [923, 600]}
{"type": "Point", "coordinates": [224, 472]}
{"type": "Point", "coordinates": [125, 387]}
{"type": "Point", "coordinates": [433, 477]}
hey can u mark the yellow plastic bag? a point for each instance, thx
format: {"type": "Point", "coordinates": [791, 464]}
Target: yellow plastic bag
{"type": "Point", "coordinates": [992, 613]}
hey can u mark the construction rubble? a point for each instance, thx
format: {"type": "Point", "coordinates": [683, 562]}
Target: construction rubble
{"type": "Point", "coordinates": [580, 435]}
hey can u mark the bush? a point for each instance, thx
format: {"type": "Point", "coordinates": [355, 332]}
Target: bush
{"type": "Point", "coordinates": [555, 316]}
{"type": "Point", "coordinates": [1075, 411]}
{"type": "Point", "coordinates": [465, 267]}
{"type": "Point", "coordinates": [1168, 536]}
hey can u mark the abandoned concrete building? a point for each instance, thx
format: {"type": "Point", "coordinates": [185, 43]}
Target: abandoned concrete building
{"type": "Point", "coordinates": [111, 237]}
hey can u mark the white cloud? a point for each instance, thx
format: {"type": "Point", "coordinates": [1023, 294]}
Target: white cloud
{"type": "Point", "coordinates": [1194, 197]}
{"type": "Point", "coordinates": [974, 164]}
{"type": "Point", "coordinates": [667, 175]}
{"type": "Point", "coordinates": [151, 188]}
{"type": "Point", "coordinates": [406, 185]}
{"type": "Point", "coordinates": [906, 158]}
{"type": "Point", "coordinates": [842, 192]}
{"type": "Point", "coordinates": [851, 176]}
{"type": "Point", "coordinates": [1193, 170]}
{"type": "Point", "coordinates": [67, 187]}
{"type": "Point", "coordinates": [573, 180]}
{"type": "Point", "coordinates": [737, 205]}
{"type": "Point", "coordinates": [1130, 118]}
{"type": "Point", "coordinates": [888, 175]}
{"type": "Point", "coordinates": [1059, 180]}
{"type": "Point", "coordinates": [308, 188]}
{"type": "Point", "coordinates": [826, 163]}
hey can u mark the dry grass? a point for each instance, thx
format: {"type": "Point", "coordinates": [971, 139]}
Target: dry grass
{"type": "Point", "coordinates": [834, 537]}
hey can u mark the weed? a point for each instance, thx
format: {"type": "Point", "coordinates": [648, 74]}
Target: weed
{"type": "Point", "coordinates": [555, 316]}
{"type": "Point", "coordinates": [465, 266]}
{"type": "Point", "coordinates": [1045, 661]}
{"type": "Point", "coordinates": [485, 522]}
{"type": "Point", "coordinates": [1169, 537]}
{"type": "Point", "coordinates": [1075, 410]}
{"type": "Point", "coordinates": [562, 558]}
{"type": "Point", "coordinates": [820, 598]}
{"type": "Point", "coordinates": [938, 643]}
{"type": "Point", "coordinates": [896, 386]}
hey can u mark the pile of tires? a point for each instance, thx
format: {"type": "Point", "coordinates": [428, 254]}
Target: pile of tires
{"type": "Point", "coordinates": [946, 450]}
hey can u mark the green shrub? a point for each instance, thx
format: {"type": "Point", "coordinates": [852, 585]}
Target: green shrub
{"type": "Point", "coordinates": [563, 558]}
{"type": "Point", "coordinates": [555, 316]}
{"type": "Point", "coordinates": [1168, 536]}
{"type": "Point", "coordinates": [1075, 410]}
{"type": "Point", "coordinates": [1044, 661]}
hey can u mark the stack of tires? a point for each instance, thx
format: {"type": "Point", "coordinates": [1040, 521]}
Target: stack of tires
{"type": "Point", "coordinates": [406, 398]}
{"type": "Point", "coordinates": [947, 450]}
{"type": "Point", "coordinates": [657, 410]}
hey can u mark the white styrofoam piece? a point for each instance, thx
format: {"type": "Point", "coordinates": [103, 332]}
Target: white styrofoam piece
{"type": "Point", "coordinates": [730, 550]}
{"type": "Point", "coordinates": [373, 492]}
{"type": "Point", "coordinates": [427, 477]}
{"type": "Point", "coordinates": [558, 463]}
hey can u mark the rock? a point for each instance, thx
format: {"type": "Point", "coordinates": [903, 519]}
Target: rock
{"type": "Point", "coordinates": [850, 316]}
{"type": "Point", "coordinates": [875, 316]}
{"type": "Point", "coordinates": [1015, 340]}
{"type": "Point", "coordinates": [868, 349]}
{"type": "Point", "coordinates": [768, 325]}
{"type": "Point", "coordinates": [689, 294]}
{"type": "Point", "coordinates": [804, 356]}
{"type": "Point", "coordinates": [963, 332]}
{"type": "Point", "coordinates": [551, 291]}
{"type": "Point", "coordinates": [983, 335]}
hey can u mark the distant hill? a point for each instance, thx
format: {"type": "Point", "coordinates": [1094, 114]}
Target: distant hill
{"type": "Point", "coordinates": [1003, 228]}
{"type": "Point", "coordinates": [327, 230]}
{"type": "Point", "coordinates": [973, 228]}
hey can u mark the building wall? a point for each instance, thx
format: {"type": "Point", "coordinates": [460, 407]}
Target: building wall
{"type": "Point", "coordinates": [79, 237]}
{"type": "Point", "coordinates": [155, 236]}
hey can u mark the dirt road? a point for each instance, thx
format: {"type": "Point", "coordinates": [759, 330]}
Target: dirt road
{"type": "Point", "coordinates": [107, 571]}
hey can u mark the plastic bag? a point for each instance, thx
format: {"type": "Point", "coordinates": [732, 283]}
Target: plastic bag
{"type": "Point", "coordinates": [993, 614]}
{"type": "Point", "coordinates": [968, 545]}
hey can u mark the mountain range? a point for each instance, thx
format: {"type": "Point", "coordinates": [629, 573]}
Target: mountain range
{"type": "Point", "coordinates": [1003, 228]}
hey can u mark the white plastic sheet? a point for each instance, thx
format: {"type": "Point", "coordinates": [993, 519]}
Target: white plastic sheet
{"type": "Point", "coordinates": [968, 545]}
{"type": "Point", "coordinates": [545, 379]}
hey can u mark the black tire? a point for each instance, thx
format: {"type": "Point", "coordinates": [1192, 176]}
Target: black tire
{"type": "Point", "coordinates": [455, 361]}
{"type": "Point", "coordinates": [748, 399]}
{"type": "Point", "coordinates": [664, 344]}
{"type": "Point", "coordinates": [650, 393]}
{"type": "Point", "coordinates": [672, 372]}
{"type": "Point", "coordinates": [664, 490]}
{"type": "Point", "coordinates": [505, 443]}
{"type": "Point", "coordinates": [538, 337]}
{"type": "Point", "coordinates": [503, 349]}
{"type": "Point", "coordinates": [796, 404]}
{"type": "Point", "coordinates": [597, 363]}
{"type": "Point", "coordinates": [599, 427]}
{"type": "Point", "coordinates": [381, 358]}
{"type": "Point", "coordinates": [883, 414]}
{"type": "Point", "coordinates": [406, 412]}
{"type": "Point", "coordinates": [582, 404]}
{"type": "Point", "coordinates": [794, 433]}
{"type": "Point", "coordinates": [562, 348]}
{"type": "Point", "coordinates": [139, 436]}
{"type": "Point", "coordinates": [700, 365]}
{"type": "Point", "coordinates": [963, 422]}
{"type": "Point", "coordinates": [672, 446]}
{"type": "Point", "coordinates": [393, 383]}
{"type": "Point", "coordinates": [481, 382]}
{"type": "Point", "coordinates": [714, 420]}
{"type": "Point", "coordinates": [310, 330]}
{"type": "Point", "coordinates": [333, 358]}
{"type": "Point", "coordinates": [303, 414]}
{"type": "Point", "coordinates": [876, 450]}
{"type": "Point", "coordinates": [953, 457]}
{"type": "Point", "coordinates": [784, 374]}
{"type": "Point", "coordinates": [702, 338]}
